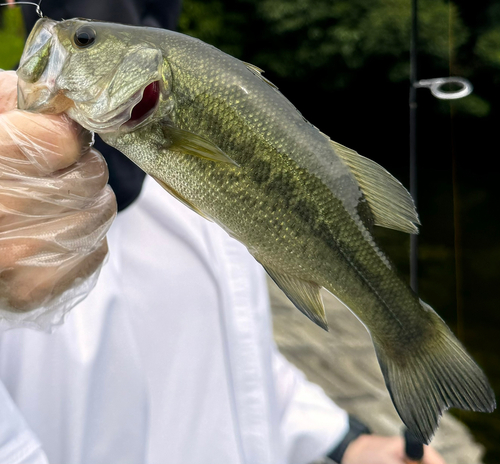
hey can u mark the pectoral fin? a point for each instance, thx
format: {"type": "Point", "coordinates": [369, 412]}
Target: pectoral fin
{"type": "Point", "coordinates": [190, 143]}
{"type": "Point", "coordinates": [303, 294]}
{"type": "Point", "coordinates": [177, 195]}
{"type": "Point", "coordinates": [391, 204]}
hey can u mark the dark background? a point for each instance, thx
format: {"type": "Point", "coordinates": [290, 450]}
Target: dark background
{"type": "Point", "coordinates": [345, 66]}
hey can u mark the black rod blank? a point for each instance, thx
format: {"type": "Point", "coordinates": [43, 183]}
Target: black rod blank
{"type": "Point", "coordinates": [413, 139]}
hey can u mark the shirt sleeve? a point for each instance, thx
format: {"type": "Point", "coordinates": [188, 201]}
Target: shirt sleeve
{"type": "Point", "coordinates": [18, 444]}
{"type": "Point", "coordinates": [311, 424]}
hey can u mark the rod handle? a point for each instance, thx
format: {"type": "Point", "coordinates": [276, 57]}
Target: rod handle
{"type": "Point", "coordinates": [414, 448]}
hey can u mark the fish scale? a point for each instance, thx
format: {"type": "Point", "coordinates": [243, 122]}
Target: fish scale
{"type": "Point", "coordinates": [205, 184]}
{"type": "Point", "coordinates": [226, 143]}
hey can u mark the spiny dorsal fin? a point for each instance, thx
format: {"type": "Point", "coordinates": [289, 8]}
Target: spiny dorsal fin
{"type": "Point", "coordinates": [258, 72]}
{"type": "Point", "coordinates": [390, 203]}
{"type": "Point", "coordinates": [303, 294]}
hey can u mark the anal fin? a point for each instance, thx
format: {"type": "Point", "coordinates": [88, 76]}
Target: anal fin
{"type": "Point", "coordinates": [303, 294]}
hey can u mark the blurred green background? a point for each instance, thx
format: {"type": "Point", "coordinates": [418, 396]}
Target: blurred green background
{"type": "Point", "coordinates": [12, 37]}
{"type": "Point", "coordinates": [345, 65]}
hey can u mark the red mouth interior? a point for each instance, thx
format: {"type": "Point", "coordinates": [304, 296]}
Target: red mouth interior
{"type": "Point", "coordinates": [148, 103]}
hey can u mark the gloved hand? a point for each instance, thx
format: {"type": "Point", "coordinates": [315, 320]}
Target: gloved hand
{"type": "Point", "coordinates": [55, 211]}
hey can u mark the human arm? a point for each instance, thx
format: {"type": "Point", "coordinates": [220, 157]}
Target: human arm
{"type": "Point", "coordinates": [311, 424]}
{"type": "Point", "coordinates": [18, 444]}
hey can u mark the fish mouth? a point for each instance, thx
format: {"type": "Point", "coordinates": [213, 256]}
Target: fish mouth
{"type": "Point", "coordinates": [145, 107]}
{"type": "Point", "coordinates": [126, 117]}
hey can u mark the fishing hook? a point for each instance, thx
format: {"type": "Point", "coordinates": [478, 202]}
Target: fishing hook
{"type": "Point", "coordinates": [38, 10]}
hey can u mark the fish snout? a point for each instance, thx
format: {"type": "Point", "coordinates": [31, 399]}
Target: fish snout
{"type": "Point", "coordinates": [36, 51]}
{"type": "Point", "coordinates": [41, 64]}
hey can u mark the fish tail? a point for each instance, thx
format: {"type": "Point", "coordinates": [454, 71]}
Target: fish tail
{"type": "Point", "coordinates": [426, 380]}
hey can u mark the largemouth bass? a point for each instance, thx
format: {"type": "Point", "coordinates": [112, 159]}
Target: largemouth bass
{"type": "Point", "coordinates": [223, 140]}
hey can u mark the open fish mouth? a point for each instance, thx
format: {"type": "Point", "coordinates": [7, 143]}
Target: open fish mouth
{"type": "Point", "coordinates": [126, 117]}
{"type": "Point", "coordinates": [146, 105]}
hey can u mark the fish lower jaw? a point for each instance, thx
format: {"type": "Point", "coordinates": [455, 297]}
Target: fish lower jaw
{"type": "Point", "coordinates": [99, 126]}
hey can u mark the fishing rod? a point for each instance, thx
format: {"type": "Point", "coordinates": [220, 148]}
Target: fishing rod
{"type": "Point", "coordinates": [436, 86]}
{"type": "Point", "coordinates": [414, 449]}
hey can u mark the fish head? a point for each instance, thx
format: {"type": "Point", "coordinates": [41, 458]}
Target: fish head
{"type": "Point", "coordinates": [108, 77]}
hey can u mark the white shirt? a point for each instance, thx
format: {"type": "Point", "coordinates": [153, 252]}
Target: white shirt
{"type": "Point", "coordinates": [169, 360]}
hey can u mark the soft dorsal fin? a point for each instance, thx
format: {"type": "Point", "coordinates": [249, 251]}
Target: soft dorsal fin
{"type": "Point", "coordinates": [303, 294]}
{"type": "Point", "coordinates": [390, 203]}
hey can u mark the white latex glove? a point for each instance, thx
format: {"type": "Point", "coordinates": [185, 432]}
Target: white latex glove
{"type": "Point", "coordinates": [55, 211]}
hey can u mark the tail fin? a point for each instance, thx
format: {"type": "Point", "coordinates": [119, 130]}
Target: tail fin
{"type": "Point", "coordinates": [426, 381]}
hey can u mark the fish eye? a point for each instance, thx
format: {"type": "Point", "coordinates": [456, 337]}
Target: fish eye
{"type": "Point", "coordinates": [84, 37]}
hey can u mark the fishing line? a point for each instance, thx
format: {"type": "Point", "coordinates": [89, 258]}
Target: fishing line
{"type": "Point", "coordinates": [456, 206]}
{"type": "Point", "coordinates": [37, 5]}
{"type": "Point", "coordinates": [456, 199]}
{"type": "Point", "coordinates": [437, 88]}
